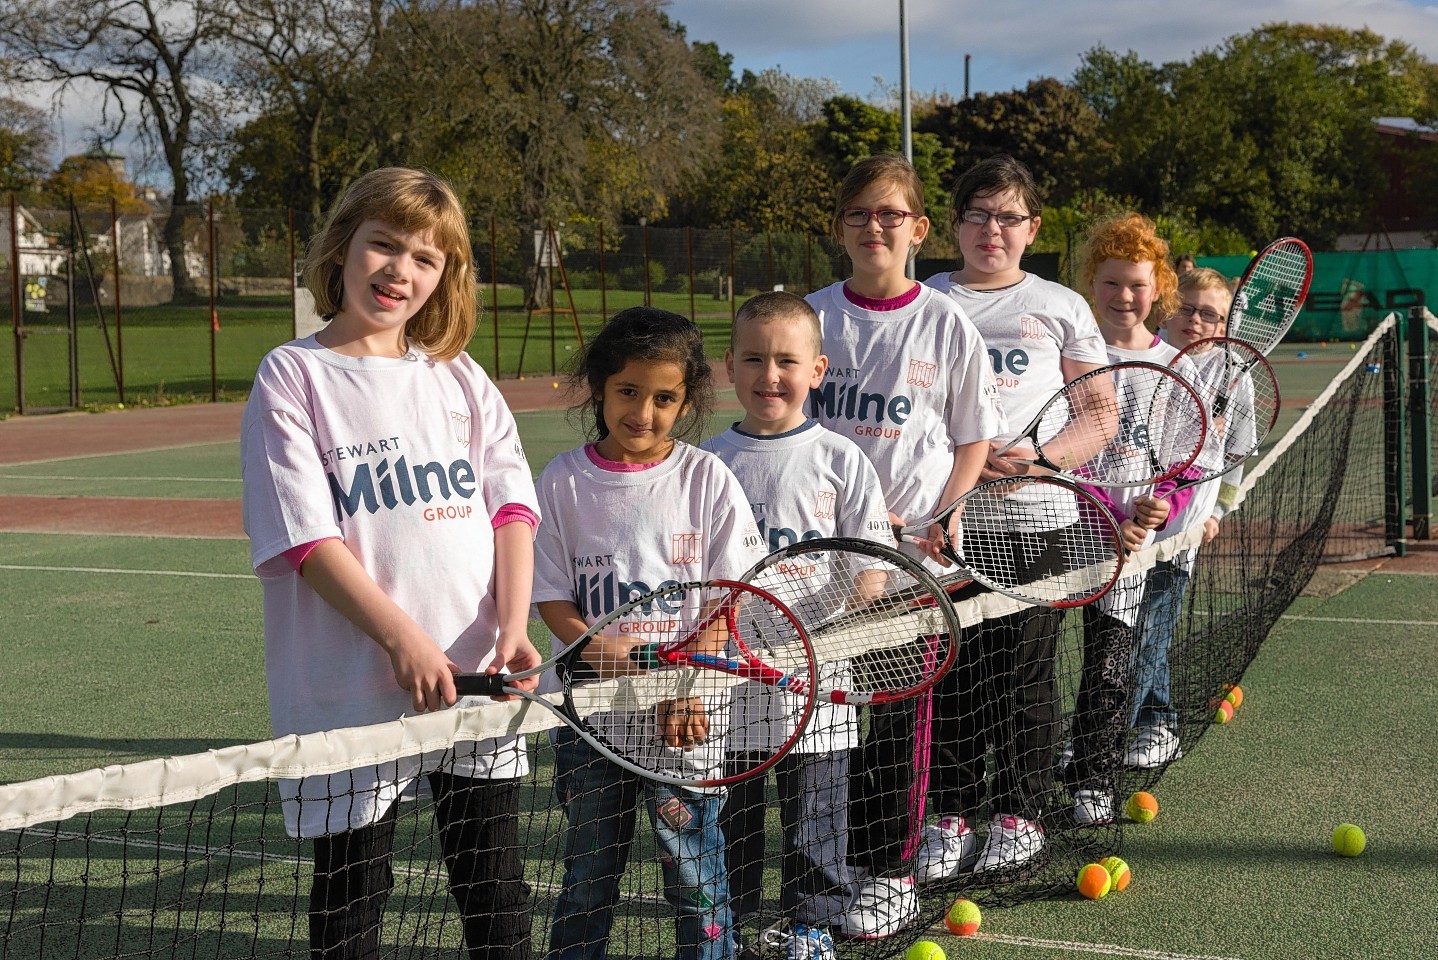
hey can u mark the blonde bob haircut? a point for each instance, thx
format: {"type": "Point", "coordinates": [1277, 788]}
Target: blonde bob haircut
{"type": "Point", "coordinates": [1131, 237]}
{"type": "Point", "coordinates": [415, 201]}
{"type": "Point", "coordinates": [886, 168]}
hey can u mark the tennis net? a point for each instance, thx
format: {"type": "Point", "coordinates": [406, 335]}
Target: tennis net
{"type": "Point", "coordinates": [193, 857]}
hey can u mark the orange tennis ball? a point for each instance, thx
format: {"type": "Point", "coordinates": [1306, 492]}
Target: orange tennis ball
{"type": "Point", "coordinates": [1093, 881]}
{"type": "Point", "coordinates": [963, 918]}
{"type": "Point", "coordinates": [1235, 694]}
{"type": "Point", "coordinates": [1224, 713]}
{"type": "Point", "coordinates": [1118, 872]}
{"type": "Point", "coordinates": [1141, 807]}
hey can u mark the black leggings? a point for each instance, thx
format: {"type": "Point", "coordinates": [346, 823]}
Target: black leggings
{"type": "Point", "coordinates": [479, 836]}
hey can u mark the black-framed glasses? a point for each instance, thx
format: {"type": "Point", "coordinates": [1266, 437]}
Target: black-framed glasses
{"type": "Point", "coordinates": [888, 219]}
{"type": "Point", "coordinates": [1188, 310]}
{"type": "Point", "coordinates": [1006, 220]}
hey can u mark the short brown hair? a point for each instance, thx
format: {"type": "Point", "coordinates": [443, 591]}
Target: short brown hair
{"type": "Point", "coordinates": [778, 305]}
{"type": "Point", "coordinates": [416, 201]}
{"type": "Point", "coordinates": [997, 174]}
{"type": "Point", "coordinates": [887, 168]}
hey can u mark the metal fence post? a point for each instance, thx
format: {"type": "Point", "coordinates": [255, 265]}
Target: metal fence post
{"type": "Point", "coordinates": [119, 330]}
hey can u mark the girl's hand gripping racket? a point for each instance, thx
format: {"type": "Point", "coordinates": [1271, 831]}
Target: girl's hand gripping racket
{"type": "Point", "coordinates": [880, 624]}
{"type": "Point", "coordinates": [1099, 428]}
{"type": "Point", "coordinates": [1240, 396]}
{"type": "Point", "coordinates": [1270, 294]}
{"type": "Point", "coordinates": [1038, 539]}
{"type": "Point", "coordinates": [649, 685]}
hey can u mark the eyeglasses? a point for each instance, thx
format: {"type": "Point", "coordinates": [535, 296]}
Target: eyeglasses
{"type": "Point", "coordinates": [1005, 220]}
{"type": "Point", "coordinates": [888, 219]}
{"type": "Point", "coordinates": [1206, 315]}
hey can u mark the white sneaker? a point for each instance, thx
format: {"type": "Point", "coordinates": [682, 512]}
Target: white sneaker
{"type": "Point", "coordinates": [883, 906]}
{"type": "Point", "coordinates": [1152, 747]}
{"type": "Point", "coordinates": [1012, 842]}
{"type": "Point", "coordinates": [802, 942]}
{"type": "Point", "coordinates": [948, 848]}
{"type": "Point", "coordinates": [1092, 807]}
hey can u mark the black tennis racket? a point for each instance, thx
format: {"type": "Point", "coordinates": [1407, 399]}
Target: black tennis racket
{"type": "Point", "coordinates": [649, 685]}
{"type": "Point", "coordinates": [880, 624]}
{"type": "Point", "coordinates": [1270, 294]}
{"type": "Point", "coordinates": [1100, 429]}
{"type": "Point", "coordinates": [1039, 539]}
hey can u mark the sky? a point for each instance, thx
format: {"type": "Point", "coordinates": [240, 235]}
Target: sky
{"type": "Point", "coordinates": [1010, 41]}
{"type": "Point", "coordinates": [855, 43]}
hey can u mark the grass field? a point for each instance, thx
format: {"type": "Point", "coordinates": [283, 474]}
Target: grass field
{"type": "Point", "coordinates": [120, 649]}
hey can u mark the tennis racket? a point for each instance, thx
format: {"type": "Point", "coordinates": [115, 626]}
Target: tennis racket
{"type": "Point", "coordinates": [1270, 294]}
{"type": "Point", "coordinates": [881, 626]}
{"type": "Point", "coordinates": [1240, 393]}
{"type": "Point", "coordinates": [1042, 540]}
{"type": "Point", "coordinates": [1104, 428]}
{"type": "Point", "coordinates": [659, 707]}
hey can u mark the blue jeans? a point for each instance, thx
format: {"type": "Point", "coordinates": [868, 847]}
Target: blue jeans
{"type": "Point", "coordinates": [1163, 603]}
{"type": "Point", "coordinates": [598, 798]}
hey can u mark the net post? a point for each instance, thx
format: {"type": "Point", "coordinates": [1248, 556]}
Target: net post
{"type": "Point", "coordinates": [1420, 437]}
{"type": "Point", "coordinates": [1393, 438]}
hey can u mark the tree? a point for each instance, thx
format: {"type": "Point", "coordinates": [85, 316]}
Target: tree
{"type": "Point", "coordinates": [852, 129]}
{"type": "Point", "coordinates": [1047, 125]}
{"type": "Point", "coordinates": [25, 145]}
{"type": "Point", "coordinates": [145, 56]}
{"type": "Point", "coordinates": [298, 61]}
{"type": "Point", "coordinates": [90, 181]}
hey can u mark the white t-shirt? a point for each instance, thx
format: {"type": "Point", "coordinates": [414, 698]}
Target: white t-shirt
{"type": "Point", "coordinates": [406, 460]}
{"type": "Point", "coordinates": [1028, 328]}
{"type": "Point", "coordinates": [908, 386]}
{"type": "Point", "coordinates": [611, 536]}
{"type": "Point", "coordinates": [1235, 430]}
{"type": "Point", "coordinates": [804, 484]}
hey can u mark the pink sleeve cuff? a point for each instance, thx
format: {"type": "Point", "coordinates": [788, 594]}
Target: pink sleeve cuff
{"type": "Point", "coordinates": [512, 512]}
{"type": "Point", "coordinates": [296, 555]}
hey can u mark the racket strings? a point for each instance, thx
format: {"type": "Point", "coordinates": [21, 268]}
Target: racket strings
{"type": "Point", "coordinates": [1271, 294]}
{"type": "Point", "coordinates": [877, 633]}
{"type": "Point", "coordinates": [1040, 540]}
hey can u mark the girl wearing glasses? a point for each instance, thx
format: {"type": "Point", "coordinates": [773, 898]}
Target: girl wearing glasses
{"type": "Point", "coordinates": [909, 382]}
{"type": "Point", "coordinates": [1003, 690]}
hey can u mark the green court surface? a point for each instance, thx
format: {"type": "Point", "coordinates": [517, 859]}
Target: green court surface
{"type": "Point", "coordinates": [119, 649]}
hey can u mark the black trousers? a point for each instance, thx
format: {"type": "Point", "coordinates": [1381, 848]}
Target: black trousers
{"type": "Point", "coordinates": [1100, 721]}
{"type": "Point", "coordinates": [479, 838]}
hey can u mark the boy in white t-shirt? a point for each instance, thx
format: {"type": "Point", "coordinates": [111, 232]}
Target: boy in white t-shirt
{"type": "Point", "coordinates": [803, 482]}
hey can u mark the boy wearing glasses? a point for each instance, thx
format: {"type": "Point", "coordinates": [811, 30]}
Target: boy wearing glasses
{"type": "Point", "coordinates": [1002, 695]}
{"type": "Point", "coordinates": [1202, 313]}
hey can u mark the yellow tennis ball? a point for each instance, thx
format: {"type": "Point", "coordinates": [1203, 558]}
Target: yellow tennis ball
{"type": "Point", "coordinates": [1235, 694]}
{"type": "Point", "coordinates": [1141, 807]}
{"type": "Point", "coordinates": [925, 950]}
{"type": "Point", "coordinates": [1224, 713]}
{"type": "Point", "coordinates": [1348, 840]}
{"type": "Point", "coordinates": [1118, 872]}
{"type": "Point", "coordinates": [1093, 881]}
{"type": "Point", "coordinates": [963, 918]}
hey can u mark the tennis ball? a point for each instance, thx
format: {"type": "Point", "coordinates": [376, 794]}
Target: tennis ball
{"type": "Point", "coordinates": [1348, 840]}
{"type": "Point", "coordinates": [1118, 872]}
{"type": "Point", "coordinates": [1093, 881]}
{"type": "Point", "coordinates": [1224, 713]}
{"type": "Point", "coordinates": [554, 384]}
{"type": "Point", "coordinates": [120, 406]}
{"type": "Point", "coordinates": [963, 918]}
{"type": "Point", "coordinates": [1141, 807]}
{"type": "Point", "coordinates": [1235, 695]}
{"type": "Point", "coordinates": [925, 950]}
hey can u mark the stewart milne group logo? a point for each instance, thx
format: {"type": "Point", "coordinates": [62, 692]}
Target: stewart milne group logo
{"type": "Point", "coordinates": [824, 502]}
{"type": "Point", "coordinates": [686, 548]}
{"type": "Point", "coordinates": [921, 373]}
{"type": "Point", "coordinates": [460, 422]}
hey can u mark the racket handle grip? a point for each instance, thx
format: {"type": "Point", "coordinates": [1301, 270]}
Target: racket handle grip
{"type": "Point", "coordinates": [647, 656]}
{"type": "Point", "coordinates": [479, 684]}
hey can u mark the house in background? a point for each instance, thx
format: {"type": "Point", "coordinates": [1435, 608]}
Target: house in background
{"type": "Point", "coordinates": [1406, 216]}
{"type": "Point", "coordinates": [39, 252]}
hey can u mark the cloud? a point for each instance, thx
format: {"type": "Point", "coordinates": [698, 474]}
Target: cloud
{"type": "Point", "coordinates": [852, 41]}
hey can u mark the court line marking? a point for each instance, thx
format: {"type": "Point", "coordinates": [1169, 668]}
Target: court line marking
{"type": "Point", "coordinates": [156, 573]}
{"type": "Point", "coordinates": [43, 476]}
{"type": "Point", "coordinates": [126, 453]}
{"type": "Point", "coordinates": [1395, 623]}
{"type": "Point", "coordinates": [1103, 949]}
